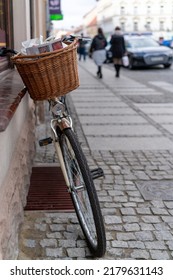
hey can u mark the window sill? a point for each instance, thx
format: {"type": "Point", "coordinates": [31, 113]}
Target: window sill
{"type": "Point", "coordinates": [11, 93]}
{"type": "Point", "coordinates": [3, 64]}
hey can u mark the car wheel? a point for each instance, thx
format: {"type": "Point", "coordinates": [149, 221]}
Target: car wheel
{"type": "Point", "coordinates": [131, 67]}
{"type": "Point", "coordinates": [167, 65]}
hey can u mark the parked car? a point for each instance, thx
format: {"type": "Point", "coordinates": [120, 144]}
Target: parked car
{"type": "Point", "coordinates": [87, 47]}
{"type": "Point", "coordinates": [145, 51]}
{"type": "Point", "coordinates": [109, 58]}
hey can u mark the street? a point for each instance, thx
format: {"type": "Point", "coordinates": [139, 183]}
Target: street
{"type": "Point", "coordinates": [145, 76]}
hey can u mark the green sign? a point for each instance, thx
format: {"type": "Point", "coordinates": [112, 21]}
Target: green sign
{"type": "Point", "coordinates": [56, 17]}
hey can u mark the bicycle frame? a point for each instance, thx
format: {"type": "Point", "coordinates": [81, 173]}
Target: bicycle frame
{"type": "Point", "coordinates": [62, 120]}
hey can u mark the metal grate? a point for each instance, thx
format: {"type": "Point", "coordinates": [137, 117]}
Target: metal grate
{"type": "Point", "coordinates": [48, 190]}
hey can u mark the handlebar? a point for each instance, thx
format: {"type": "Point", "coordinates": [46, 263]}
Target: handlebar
{"type": "Point", "coordinates": [71, 38]}
{"type": "Point", "coordinates": [4, 51]}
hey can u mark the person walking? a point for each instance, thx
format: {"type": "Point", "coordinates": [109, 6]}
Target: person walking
{"type": "Point", "coordinates": [118, 49]}
{"type": "Point", "coordinates": [98, 52]}
{"type": "Point", "coordinates": [82, 48]}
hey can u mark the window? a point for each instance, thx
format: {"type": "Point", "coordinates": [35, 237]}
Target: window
{"type": "Point", "coordinates": [161, 9]}
{"type": "Point", "coordinates": [135, 26]}
{"type": "Point", "coordinates": [148, 26]}
{"type": "Point", "coordinates": [122, 26]}
{"type": "Point", "coordinates": [122, 10]}
{"type": "Point", "coordinates": [161, 25]}
{"type": "Point", "coordinates": [148, 9]}
{"type": "Point", "coordinates": [6, 34]}
{"type": "Point", "coordinates": [135, 10]}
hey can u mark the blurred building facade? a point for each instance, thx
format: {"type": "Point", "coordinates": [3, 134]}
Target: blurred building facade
{"type": "Point", "coordinates": [133, 16]}
{"type": "Point", "coordinates": [90, 23]}
{"type": "Point", "coordinates": [136, 16]}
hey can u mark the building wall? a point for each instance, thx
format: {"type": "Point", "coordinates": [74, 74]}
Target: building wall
{"type": "Point", "coordinates": [137, 15]}
{"type": "Point", "coordinates": [105, 16]}
{"type": "Point", "coordinates": [29, 23]}
{"type": "Point", "coordinates": [90, 23]}
{"type": "Point", "coordinates": [39, 17]}
{"type": "Point", "coordinates": [17, 153]}
{"type": "Point", "coordinates": [17, 140]}
{"type": "Point", "coordinates": [21, 22]}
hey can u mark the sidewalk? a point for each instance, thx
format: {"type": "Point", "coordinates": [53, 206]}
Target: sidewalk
{"type": "Point", "coordinates": [131, 139]}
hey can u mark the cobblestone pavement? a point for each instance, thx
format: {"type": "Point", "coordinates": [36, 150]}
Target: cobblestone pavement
{"type": "Point", "coordinates": [126, 128]}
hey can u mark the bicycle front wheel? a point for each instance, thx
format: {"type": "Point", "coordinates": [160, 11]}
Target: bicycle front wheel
{"type": "Point", "coordinates": [83, 193]}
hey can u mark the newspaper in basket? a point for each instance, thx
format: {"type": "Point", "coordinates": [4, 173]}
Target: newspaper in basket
{"type": "Point", "coordinates": [49, 74]}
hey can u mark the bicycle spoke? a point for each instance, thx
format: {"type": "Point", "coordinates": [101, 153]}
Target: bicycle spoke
{"type": "Point", "coordinates": [83, 193]}
{"type": "Point", "coordinates": [80, 193]}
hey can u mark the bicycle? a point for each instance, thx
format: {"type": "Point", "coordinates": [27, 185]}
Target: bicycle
{"type": "Point", "coordinates": [78, 177]}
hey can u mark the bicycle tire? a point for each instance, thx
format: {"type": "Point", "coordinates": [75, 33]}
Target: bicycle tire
{"type": "Point", "coordinates": [83, 193]}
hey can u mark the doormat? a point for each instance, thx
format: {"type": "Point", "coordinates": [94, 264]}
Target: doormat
{"type": "Point", "coordinates": [48, 190]}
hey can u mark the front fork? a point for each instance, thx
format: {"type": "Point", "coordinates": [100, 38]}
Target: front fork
{"type": "Point", "coordinates": [62, 124]}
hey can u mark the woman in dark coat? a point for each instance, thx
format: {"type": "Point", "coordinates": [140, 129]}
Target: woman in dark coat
{"type": "Point", "coordinates": [98, 51]}
{"type": "Point", "coordinates": [118, 49]}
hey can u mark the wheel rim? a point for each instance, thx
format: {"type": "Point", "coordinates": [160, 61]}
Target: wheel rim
{"type": "Point", "coordinates": [79, 193]}
{"type": "Point", "coordinates": [86, 217]}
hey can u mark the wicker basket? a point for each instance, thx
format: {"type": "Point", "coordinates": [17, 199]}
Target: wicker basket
{"type": "Point", "coordinates": [50, 74]}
